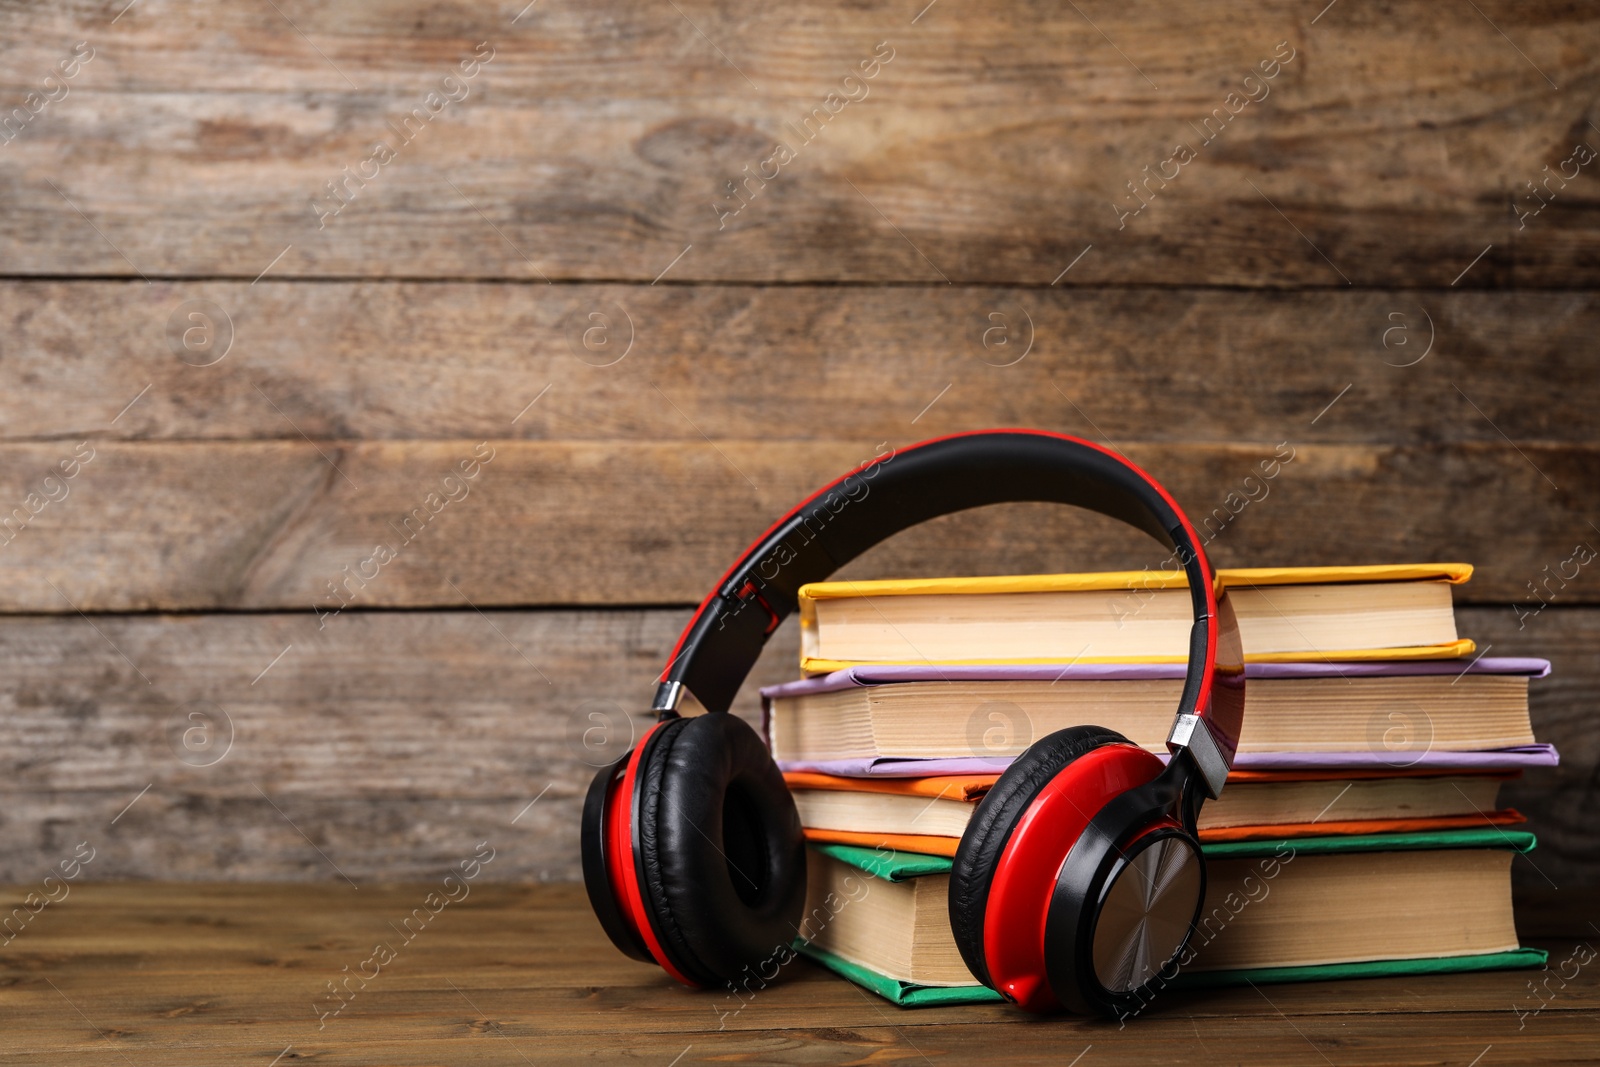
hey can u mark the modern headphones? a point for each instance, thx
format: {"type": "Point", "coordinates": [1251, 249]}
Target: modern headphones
{"type": "Point", "coordinates": [1079, 878]}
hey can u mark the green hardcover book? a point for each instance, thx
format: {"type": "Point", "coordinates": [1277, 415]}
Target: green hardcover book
{"type": "Point", "coordinates": [1276, 911]}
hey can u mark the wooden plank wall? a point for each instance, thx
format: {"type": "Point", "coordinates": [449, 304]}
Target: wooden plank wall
{"type": "Point", "coordinates": [581, 266]}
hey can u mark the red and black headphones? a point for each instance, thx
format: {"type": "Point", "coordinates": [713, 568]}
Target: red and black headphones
{"type": "Point", "coordinates": [1079, 877]}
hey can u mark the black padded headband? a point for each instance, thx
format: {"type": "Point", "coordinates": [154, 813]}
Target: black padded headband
{"type": "Point", "coordinates": [902, 488]}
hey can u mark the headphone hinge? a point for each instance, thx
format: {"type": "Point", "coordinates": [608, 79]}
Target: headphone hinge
{"type": "Point", "coordinates": [674, 699]}
{"type": "Point", "coordinates": [668, 694]}
{"type": "Point", "coordinates": [1192, 735]}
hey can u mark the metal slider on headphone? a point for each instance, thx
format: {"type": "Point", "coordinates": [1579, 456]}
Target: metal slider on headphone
{"type": "Point", "coordinates": [1192, 734]}
{"type": "Point", "coordinates": [668, 694]}
{"type": "Point", "coordinates": [674, 698]}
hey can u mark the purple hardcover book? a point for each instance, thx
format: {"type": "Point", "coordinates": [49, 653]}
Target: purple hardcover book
{"type": "Point", "coordinates": [1537, 755]}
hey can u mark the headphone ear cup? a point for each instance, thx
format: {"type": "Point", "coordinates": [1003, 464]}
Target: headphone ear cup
{"type": "Point", "coordinates": [1122, 909]}
{"type": "Point", "coordinates": [720, 852]}
{"type": "Point", "coordinates": [989, 831]}
{"type": "Point", "coordinates": [598, 877]}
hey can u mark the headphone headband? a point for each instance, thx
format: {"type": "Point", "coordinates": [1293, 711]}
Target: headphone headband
{"type": "Point", "coordinates": [892, 492]}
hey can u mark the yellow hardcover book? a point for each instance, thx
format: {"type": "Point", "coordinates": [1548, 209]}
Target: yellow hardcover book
{"type": "Point", "coordinates": [1286, 614]}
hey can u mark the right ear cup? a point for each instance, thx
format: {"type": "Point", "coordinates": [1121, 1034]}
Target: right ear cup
{"type": "Point", "coordinates": [991, 825]}
{"type": "Point", "coordinates": [721, 857]}
{"type": "Point", "coordinates": [1006, 864]}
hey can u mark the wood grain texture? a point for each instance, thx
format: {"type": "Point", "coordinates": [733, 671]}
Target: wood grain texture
{"type": "Point", "coordinates": [978, 194]}
{"type": "Point", "coordinates": [998, 142]}
{"type": "Point", "coordinates": [375, 748]}
{"type": "Point", "coordinates": [405, 361]}
{"type": "Point", "coordinates": [287, 524]}
{"type": "Point", "coordinates": [369, 750]}
{"type": "Point", "coordinates": [206, 973]}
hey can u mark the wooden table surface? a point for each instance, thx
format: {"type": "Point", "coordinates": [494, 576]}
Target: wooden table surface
{"type": "Point", "coordinates": [181, 974]}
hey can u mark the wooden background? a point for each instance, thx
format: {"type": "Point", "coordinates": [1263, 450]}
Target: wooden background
{"type": "Point", "coordinates": [547, 273]}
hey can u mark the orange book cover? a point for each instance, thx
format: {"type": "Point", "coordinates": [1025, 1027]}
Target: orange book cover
{"type": "Point", "coordinates": [928, 844]}
{"type": "Point", "coordinates": [1352, 827]}
{"type": "Point", "coordinates": [951, 787]}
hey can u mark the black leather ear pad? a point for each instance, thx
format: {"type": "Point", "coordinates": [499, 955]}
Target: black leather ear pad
{"type": "Point", "coordinates": [722, 860]}
{"type": "Point", "coordinates": [991, 825]}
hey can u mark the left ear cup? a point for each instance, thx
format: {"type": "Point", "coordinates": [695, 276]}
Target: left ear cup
{"type": "Point", "coordinates": [720, 853]}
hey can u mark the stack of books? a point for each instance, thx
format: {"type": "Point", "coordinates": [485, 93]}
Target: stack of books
{"type": "Point", "coordinates": [1360, 832]}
